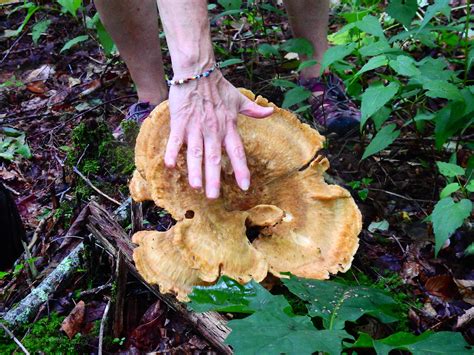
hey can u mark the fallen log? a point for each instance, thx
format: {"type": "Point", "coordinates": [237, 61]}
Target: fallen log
{"type": "Point", "coordinates": [30, 305]}
{"type": "Point", "coordinates": [211, 325]}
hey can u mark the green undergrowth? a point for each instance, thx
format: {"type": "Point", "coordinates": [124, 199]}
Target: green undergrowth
{"type": "Point", "coordinates": [44, 336]}
{"type": "Point", "coordinates": [319, 317]}
{"type": "Point", "coordinates": [105, 161]}
{"type": "Point", "coordinates": [393, 284]}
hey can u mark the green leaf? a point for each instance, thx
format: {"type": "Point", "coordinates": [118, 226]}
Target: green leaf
{"type": "Point", "coordinates": [283, 83]}
{"type": "Point", "coordinates": [307, 64]}
{"type": "Point", "coordinates": [374, 97]}
{"type": "Point", "coordinates": [72, 42]}
{"type": "Point", "coordinates": [381, 226]}
{"type": "Point", "coordinates": [333, 54]}
{"type": "Point", "coordinates": [470, 186]}
{"type": "Point", "coordinates": [449, 189]}
{"type": "Point", "coordinates": [382, 140]}
{"type": "Point", "coordinates": [450, 170]}
{"type": "Point", "coordinates": [423, 344]}
{"type": "Point", "coordinates": [3, 274]}
{"type": "Point", "coordinates": [231, 61]}
{"type": "Point", "coordinates": [337, 303]}
{"type": "Point", "coordinates": [230, 4]}
{"type": "Point", "coordinates": [39, 29]}
{"type": "Point", "coordinates": [31, 8]}
{"type": "Point", "coordinates": [402, 11]}
{"type": "Point", "coordinates": [70, 6]}
{"type": "Point", "coordinates": [275, 332]}
{"type": "Point", "coordinates": [405, 66]}
{"type": "Point", "coordinates": [268, 50]}
{"type": "Point", "coordinates": [443, 90]}
{"type": "Point", "coordinates": [381, 116]}
{"type": "Point", "coordinates": [226, 13]}
{"type": "Point", "coordinates": [298, 45]}
{"type": "Point", "coordinates": [432, 69]}
{"type": "Point", "coordinates": [228, 295]}
{"type": "Point", "coordinates": [371, 25]}
{"type": "Point", "coordinates": [448, 216]}
{"type": "Point", "coordinates": [470, 58]}
{"type": "Point", "coordinates": [470, 249]}
{"type": "Point", "coordinates": [104, 38]}
{"type": "Point", "coordinates": [432, 10]}
{"type": "Point", "coordinates": [295, 96]}
{"type": "Point", "coordinates": [376, 48]}
{"type": "Point", "coordinates": [373, 63]}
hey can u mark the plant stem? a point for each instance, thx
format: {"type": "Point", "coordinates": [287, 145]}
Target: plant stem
{"type": "Point", "coordinates": [466, 40]}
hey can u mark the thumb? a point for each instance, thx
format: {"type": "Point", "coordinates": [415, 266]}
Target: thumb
{"type": "Point", "coordinates": [252, 109]}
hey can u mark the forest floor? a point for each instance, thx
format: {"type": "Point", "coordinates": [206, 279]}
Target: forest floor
{"type": "Point", "coordinates": [69, 103]}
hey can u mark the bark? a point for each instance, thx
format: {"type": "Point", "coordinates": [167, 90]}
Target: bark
{"type": "Point", "coordinates": [29, 306]}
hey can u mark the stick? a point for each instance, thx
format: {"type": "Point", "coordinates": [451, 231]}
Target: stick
{"type": "Point", "coordinates": [102, 327]}
{"type": "Point", "coordinates": [88, 182]}
{"type": "Point", "coordinates": [121, 283]}
{"type": "Point", "coordinates": [211, 325]}
{"type": "Point", "coordinates": [30, 305]}
{"type": "Point", "coordinates": [20, 345]}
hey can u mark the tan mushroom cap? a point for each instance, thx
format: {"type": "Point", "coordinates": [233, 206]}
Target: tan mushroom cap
{"type": "Point", "coordinates": [159, 261]}
{"type": "Point", "coordinates": [308, 228]}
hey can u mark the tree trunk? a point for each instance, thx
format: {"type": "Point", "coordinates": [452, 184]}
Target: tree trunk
{"type": "Point", "coordinates": [12, 232]}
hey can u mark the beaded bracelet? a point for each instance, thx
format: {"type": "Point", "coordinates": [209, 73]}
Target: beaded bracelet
{"type": "Point", "coordinates": [194, 77]}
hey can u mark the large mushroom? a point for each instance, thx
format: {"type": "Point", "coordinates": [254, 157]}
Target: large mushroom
{"type": "Point", "coordinates": [302, 224]}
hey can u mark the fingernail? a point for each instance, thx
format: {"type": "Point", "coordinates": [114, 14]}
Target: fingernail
{"type": "Point", "coordinates": [245, 184]}
{"type": "Point", "coordinates": [196, 183]}
{"type": "Point", "coordinates": [213, 193]}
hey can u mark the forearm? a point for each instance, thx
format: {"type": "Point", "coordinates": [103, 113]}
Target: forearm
{"type": "Point", "coordinates": [187, 31]}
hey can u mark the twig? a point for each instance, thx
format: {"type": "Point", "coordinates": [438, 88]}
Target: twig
{"type": "Point", "coordinates": [30, 262]}
{"type": "Point", "coordinates": [102, 327]}
{"type": "Point", "coordinates": [12, 46]}
{"type": "Point", "coordinates": [408, 198]}
{"type": "Point", "coordinates": [88, 182]}
{"type": "Point", "coordinates": [20, 345]}
{"type": "Point", "coordinates": [11, 189]}
{"type": "Point", "coordinates": [37, 232]}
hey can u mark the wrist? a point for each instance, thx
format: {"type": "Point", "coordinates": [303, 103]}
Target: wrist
{"type": "Point", "coordinates": [187, 66]}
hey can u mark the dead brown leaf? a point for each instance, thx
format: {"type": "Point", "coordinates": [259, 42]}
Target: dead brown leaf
{"type": "Point", "coordinates": [37, 87]}
{"type": "Point", "coordinates": [72, 324]}
{"type": "Point", "coordinates": [442, 286]}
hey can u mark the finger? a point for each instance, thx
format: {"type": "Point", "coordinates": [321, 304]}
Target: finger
{"type": "Point", "coordinates": [194, 158]}
{"type": "Point", "coordinates": [175, 141]}
{"type": "Point", "coordinates": [235, 151]}
{"type": "Point", "coordinates": [212, 151]}
{"type": "Point", "coordinates": [252, 109]}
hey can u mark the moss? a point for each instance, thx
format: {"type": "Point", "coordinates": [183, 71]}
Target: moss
{"type": "Point", "coordinates": [44, 336]}
{"type": "Point", "coordinates": [130, 131]}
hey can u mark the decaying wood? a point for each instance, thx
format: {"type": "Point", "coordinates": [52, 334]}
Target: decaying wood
{"type": "Point", "coordinates": [30, 305]}
{"type": "Point", "coordinates": [136, 217]}
{"type": "Point", "coordinates": [212, 326]}
{"type": "Point", "coordinates": [118, 302]}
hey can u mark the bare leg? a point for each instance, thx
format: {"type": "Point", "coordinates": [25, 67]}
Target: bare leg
{"type": "Point", "coordinates": [133, 26]}
{"type": "Point", "coordinates": [309, 19]}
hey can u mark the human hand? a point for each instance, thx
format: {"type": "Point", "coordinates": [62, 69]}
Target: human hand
{"type": "Point", "coordinates": [204, 115]}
